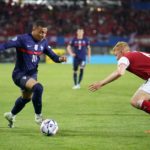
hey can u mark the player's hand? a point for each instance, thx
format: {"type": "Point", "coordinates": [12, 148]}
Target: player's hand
{"type": "Point", "coordinates": [95, 86]}
{"type": "Point", "coordinates": [63, 59]}
{"type": "Point", "coordinates": [73, 55]}
{"type": "Point", "coordinates": [88, 60]}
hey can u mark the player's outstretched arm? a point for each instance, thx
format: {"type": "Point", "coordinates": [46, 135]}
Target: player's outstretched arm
{"type": "Point", "coordinates": [15, 42]}
{"type": "Point", "coordinates": [113, 76]}
{"type": "Point", "coordinates": [51, 54]}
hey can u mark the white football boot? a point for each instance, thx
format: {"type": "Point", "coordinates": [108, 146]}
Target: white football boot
{"type": "Point", "coordinates": [10, 118]}
{"type": "Point", "coordinates": [38, 118]}
{"type": "Point", "coordinates": [76, 87]}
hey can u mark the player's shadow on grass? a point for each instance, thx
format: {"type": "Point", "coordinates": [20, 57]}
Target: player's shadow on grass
{"type": "Point", "coordinates": [19, 131]}
{"type": "Point", "coordinates": [26, 132]}
{"type": "Point", "coordinates": [104, 134]}
{"type": "Point", "coordinates": [112, 114]}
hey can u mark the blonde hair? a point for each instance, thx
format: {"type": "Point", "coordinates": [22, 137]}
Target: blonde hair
{"type": "Point", "coordinates": [120, 45]}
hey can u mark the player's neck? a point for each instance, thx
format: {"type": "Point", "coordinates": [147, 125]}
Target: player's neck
{"type": "Point", "coordinates": [35, 37]}
{"type": "Point", "coordinates": [79, 37]}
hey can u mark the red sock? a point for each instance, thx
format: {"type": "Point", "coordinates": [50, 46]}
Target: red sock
{"type": "Point", "coordinates": [146, 106]}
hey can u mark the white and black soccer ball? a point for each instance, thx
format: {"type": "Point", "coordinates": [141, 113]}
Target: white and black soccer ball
{"type": "Point", "coordinates": [49, 127]}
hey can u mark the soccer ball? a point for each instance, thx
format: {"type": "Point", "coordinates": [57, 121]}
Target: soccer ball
{"type": "Point", "coordinates": [49, 127]}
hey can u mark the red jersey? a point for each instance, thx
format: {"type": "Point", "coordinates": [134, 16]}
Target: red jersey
{"type": "Point", "coordinates": [139, 64]}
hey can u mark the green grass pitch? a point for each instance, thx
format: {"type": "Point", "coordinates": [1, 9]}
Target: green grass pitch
{"type": "Point", "coordinates": [103, 120]}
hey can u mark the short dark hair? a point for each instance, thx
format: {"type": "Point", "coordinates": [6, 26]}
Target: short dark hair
{"type": "Point", "coordinates": [40, 23]}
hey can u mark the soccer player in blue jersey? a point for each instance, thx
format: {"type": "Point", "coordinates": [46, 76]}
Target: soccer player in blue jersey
{"type": "Point", "coordinates": [29, 47]}
{"type": "Point", "coordinates": [78, 48]}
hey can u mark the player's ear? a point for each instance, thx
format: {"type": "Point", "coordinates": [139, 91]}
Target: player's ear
{"type": "Point", "coordinates": [33, 28]}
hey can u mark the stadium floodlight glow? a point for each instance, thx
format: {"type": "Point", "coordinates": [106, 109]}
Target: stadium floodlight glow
{"type": "Point", "coordinates": [99, 9]}
{"type": "Point", "coordinates": [91, 8]}
{"type": "Point", "coordinates": [15, 1]}
{"type": "Point", "coordinates": [88, 1]}
{"type": "Point", "coordinates": [39, 2]}
{"type": "Point", "coordinates": [50, 7]}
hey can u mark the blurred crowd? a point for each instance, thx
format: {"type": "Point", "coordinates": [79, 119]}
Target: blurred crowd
{"type": "Point", "coordinates": [63, 21]}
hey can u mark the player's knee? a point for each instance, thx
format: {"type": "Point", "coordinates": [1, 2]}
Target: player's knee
{"type": "Point", "coordinates": [133, 103]}
{"type": "Point", "coordinates": [136, 103]}
{"type": "Point", "coordinates": [26, 95]}
{"type": "Point", "coordinates": [81, 68]}
{"type": "Point", "coordinates": [27, 100]}
{"type": "Point", "coordinates": [38, 88]}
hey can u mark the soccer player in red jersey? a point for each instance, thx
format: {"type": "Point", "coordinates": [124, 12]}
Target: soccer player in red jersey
{"type": "Point", "coordinates": [137, 63]}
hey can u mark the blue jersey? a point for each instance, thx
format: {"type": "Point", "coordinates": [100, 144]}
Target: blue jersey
{"type": "Point", "coordinates": [28, 52]}
{"type": "Point", "coordinates": [79, 47]}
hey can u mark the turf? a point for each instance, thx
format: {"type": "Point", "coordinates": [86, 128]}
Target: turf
{"type": "Point", "coordinates": [103, 120]}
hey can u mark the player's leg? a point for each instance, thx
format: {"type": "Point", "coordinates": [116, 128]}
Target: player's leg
{"type": "Point", "coordinates": [37, 90]}
{"type": "Point", "coordinates": [141, 98]}
{"type": "Point", "coordinates": [18, 106]}
{"type": "Point", "coordinates": [82, 66]}
{"type": "Point", "coordinates": [28, 85]}
{"type": "Point", "coordinates": [31, 86]}
{"type": "Point", "coordinates": [20, 102]}
{"type": "Point", "coordinates": [75, 73]}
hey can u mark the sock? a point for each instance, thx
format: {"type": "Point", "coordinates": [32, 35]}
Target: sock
{"type": "Point", "coordinates": [19, 105]}
{"type": "Point", "coordinates": [75, 78]}
{"type": "Point", "coordinates": [146, 106]}
{"type": "Point", "coordinates": [37, 98]}
{"type": "Point", "coordinates": [80, 76]}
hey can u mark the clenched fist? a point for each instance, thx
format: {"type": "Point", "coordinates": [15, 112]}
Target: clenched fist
{"type": "Point", "coordinates": [62, 58]}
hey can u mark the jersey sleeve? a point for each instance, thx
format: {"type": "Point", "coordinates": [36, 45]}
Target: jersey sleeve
{"type": "Point", "coordinates": [71, 42]}
{"type": "Point", "coordinates": [49, 52]}
{"type": "Point", "coordinates": [88, 42]}
{"type": "Point", "coordinates": [13, 43]}
{"type": "Point", "coordinates": [124, 60]}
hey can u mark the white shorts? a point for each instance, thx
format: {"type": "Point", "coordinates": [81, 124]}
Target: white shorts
{"type": "Point", "coordinates": [146, 86]}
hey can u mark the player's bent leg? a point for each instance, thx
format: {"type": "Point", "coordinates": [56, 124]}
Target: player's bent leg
{"type": "Point", "coordinates": [18, 106]}
{"type": "Point", "coordinates": [137, 98]}
{"type": "Point", "coordinates": [141, 101]}
{"type": "Point", "coordinates": [37, 102]}
{"type": "Point", "coordinates": [30, 84]}
{"type": "Point", "coordinates": [37, 90]}
{"type": "Point", "coordinates": [25, 83]}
